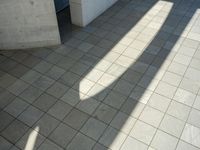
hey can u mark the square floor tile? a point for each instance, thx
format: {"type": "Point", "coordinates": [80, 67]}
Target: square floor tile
{"type": "Point", "coordinates": [141, 94]}
{"type": "Point", "coordinates": [172, 78]}
{"type": "Point", "coordinates": [124, 87]}
{"type": "Point", "coordinates": [69, 78]}
{"type": "Point", "coordinates": [151, 116]}
{"type": "Point", "coordinates": [57, 90]}
{"type": "Point", "coordinates": [4, 144]}
{"type": "Point", "coordinates": [44, 102]}
{"type": "Point", "coordinates": [62, 135]}
{"type": "Point", "coordinates": [83, 86]}
{"type": "Point", "coordinates": [177, 68]}
{"type": "Point", "coordinates": [76, 119]}
{"type": "Point", "coordinates": [172, 125]}
{"type": "Point", "coordinates": [18, 87]}
{"type": "Point", "coordinates": [30, 115]}
{"type": "Point", "coordinates": [184, 97]}
{"type": "Point", "coordinates": [164, 141]}
{"type": "Point", "coordinates": [131, 143]}
{"type": "Point", "coordinates": [42, 67]}
{"type": "Point", "coordinates": [31, 94]}
{"type": "Point", "coordinates": [99, 147]}
{"type": "Point", "coordinates": [115, 99]}
{"type": "Point", "coordinates": [159, 102]}
{"type": "Point", "coordinates": [43, 83]}
{"type": "Point", "coordinates": [72, 97]}
{"type": "Point", "coordinates": [55, 72]}
{"type": "Point", "coordinates": [49, 145]}
{"type": "Point", "coordinates": [47, 124]}
{"type": "Point", "coordinates": [6, 98]}
{"type": "Point", "coordinates": [31, 135]}
{"type": "Point", "coordinates": [93, 128]}
{"type": "Point", "coordinates": [178, 110]}
{"type": "Point", "coordinates": [123, 122]}
{"type": "Point", "coordinates": [105, 113]}
{"type": "Point", "coordinates": [194, 118]}
{"type": "Point", "coordinates": [143, 132]}
{"type": "Point", "coordinates": [59, 110]}
{"type": "Point", "coordinates": [112, 138]}
{"type": "Point", "coordinates": [190, 85]}
{"type": "Point", "coordinates": [165, 89]}
{"type": "Point", "coordinates": [98, 92]}
{"type": "Point", "coordinates": [31, 76]}
{"type": "Point", "coordinates": [15, 131]}
{"type": "Point", "coordinates": [191, 134]}
{"type": "Point", "coordinates": [185, 146]}
{"type": "Point", "coordinates": [5, 120]}
{"type": "Point", "coordinates": [16, 107]}
{"type": "Point", "coordinates": [132, 107]}
{"type": "Point", "coordinates": [197, 103]}
{"type": "Point", "coordinates": [88, 105]}
{"type": "Point", "coordinates": [81, 142]}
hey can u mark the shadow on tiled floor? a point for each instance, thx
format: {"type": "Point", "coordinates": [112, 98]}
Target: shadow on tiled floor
{"type": "Point", "coordinates": [129, 81]}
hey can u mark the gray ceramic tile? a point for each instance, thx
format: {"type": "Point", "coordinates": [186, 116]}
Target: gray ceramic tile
{"type": "Point", "coordinates": [57, 89]}
{"type": "Point", "coordinates": [143, 132]}
{"type": "Point", "coordinates": [62, 135]}
{"type": "Point", "coordinates": [131, 143]}
{"type": "Point", "coordinates": [112, 138]}
{"type": "Point", "coordinates": [43, 83]}
{"type": "Point", "coordinates": [151, 116]}
{"type": "Point", "coordinates": [172, 125]}
{"type": "Point", "coordinates": [76, 119]}
{"type": "Point", "coordinates": [26, 142]}
{"type": "Point", "coordinates": [44, 102]}
{"type": "Point", "coordinates": [16, 107]}
{"type": "Point", "coordinates": [81, 142]}
{"type": "Point", "coordinates": [31, 94]}
{"type": "Point", "coordinates": [4, 144]}
{"type": "Point", "coordinates": [93, 128]}
{"type": "Point", "coordinates": [49, 145]}
{"type": "Point", "coordinates": [159, 102]}
{"type": "Point", "coordinates": [178, 110]}
{"type": "Point", "coordinates": [59, 110]}
{"type": "Point", "coordinates": [191, 135]}
{"type": "Point", "coordinates": [164, 141]}
{"type": "Point", "coordinates": [30, 115]}
{"type": "Point", "coordinates": [194, 118]}
{"type": "Point", "coordinates": [15, 131]}
{"type": "Point", "coordinates": [123, 122]}
{"type": "Point", "coordinates": [18, 87]}
{"type": "Point", "coordinates": [105, 113]}
{"type": "Point", "coordinates": [46, 124]}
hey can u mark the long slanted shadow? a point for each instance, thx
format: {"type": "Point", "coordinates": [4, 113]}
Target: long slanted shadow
{"type": "Point", "coordinates": [155, 57]}
{"type": "Point", "coordinates": [151, 60]}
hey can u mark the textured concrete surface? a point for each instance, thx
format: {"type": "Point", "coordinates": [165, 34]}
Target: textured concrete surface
{"type": "Point", "coordinates": [27, 24]}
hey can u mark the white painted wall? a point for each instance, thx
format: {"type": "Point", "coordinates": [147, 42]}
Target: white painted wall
{"type": "Point", "coordinates": [28, 24]}
{"type": "Point", "coordinates": [84, 11]}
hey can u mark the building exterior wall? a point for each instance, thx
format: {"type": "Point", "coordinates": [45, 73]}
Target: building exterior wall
{"type": "Point", "coordinates": [28, 24]}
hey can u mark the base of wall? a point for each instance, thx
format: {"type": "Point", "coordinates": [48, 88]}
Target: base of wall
{"type": "Point", "coordinates": [85, 11]}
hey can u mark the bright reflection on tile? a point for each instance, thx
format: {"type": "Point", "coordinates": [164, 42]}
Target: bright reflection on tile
{"type": "Point", "coordinates": [32, 139]}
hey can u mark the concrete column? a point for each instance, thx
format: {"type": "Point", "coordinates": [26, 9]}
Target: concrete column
{"type": "Point", "coordinates": [28, 24]}
{"type": "Point", "coordinates": [84, 11]}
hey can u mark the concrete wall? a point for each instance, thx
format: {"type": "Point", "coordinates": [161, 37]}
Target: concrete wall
{"type": "Point", "coordinates": [27, 24]}
{"type": "Point", "coordinates": [84, 11]}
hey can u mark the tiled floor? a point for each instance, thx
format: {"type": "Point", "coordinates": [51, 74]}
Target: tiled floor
{"type": "Point", "coordinates": [128, 81]}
